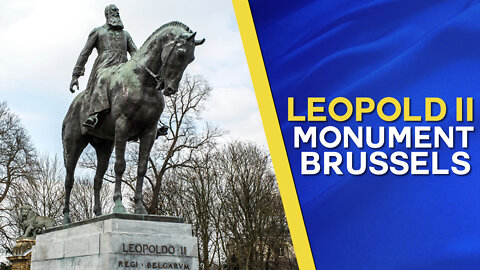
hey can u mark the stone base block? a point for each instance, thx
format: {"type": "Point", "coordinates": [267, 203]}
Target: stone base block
{"type": "Point", "coordinates": [118, 241]}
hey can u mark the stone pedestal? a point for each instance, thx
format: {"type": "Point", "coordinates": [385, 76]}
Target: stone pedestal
{"type": "Point", "coordinates": [21, 254]}
{"type": "Point", "coordinates": [118, 241]}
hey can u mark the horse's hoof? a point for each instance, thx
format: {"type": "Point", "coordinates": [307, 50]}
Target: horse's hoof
{"type": "Point", "coordinates": [66, 221]}
{"type": "Point", "coordinates": [97, 213]}
{"type": "Point", "coordinates": [140, 210]}
{"type": "Point", "coordinates": [119, 208]}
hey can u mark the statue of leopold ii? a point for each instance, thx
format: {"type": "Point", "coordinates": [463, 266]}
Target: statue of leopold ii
{"type": "Point", "coordinates": [112, 44]}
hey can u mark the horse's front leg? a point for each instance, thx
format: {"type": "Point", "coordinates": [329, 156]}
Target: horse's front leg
{"type": "Point", "coordinates": [121, 134]}
{"type": "Point", "coordinates": [104, 150]}
{"type": "Point", "coordinates": [146, 143]}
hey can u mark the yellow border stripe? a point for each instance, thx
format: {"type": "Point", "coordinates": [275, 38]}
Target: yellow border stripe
{"type": "Point", "coordinates": [274, 135]}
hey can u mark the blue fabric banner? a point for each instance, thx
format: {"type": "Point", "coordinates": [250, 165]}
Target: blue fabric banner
{"type": "Point", "coordinates": [413, 49]}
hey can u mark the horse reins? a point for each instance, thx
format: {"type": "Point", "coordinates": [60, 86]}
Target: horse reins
{"type": "Point", "coordinates": [157, 77]}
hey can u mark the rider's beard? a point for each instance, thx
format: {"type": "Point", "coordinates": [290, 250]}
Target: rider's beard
{"type": "Point", "coordinates": [115, 22]}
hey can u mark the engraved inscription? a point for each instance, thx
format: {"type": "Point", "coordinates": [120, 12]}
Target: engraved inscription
{"type": "Point", "coordinates": [153, 265]}
{"type": "Point", "coordinates": [159, 265]}
{"type": "Point", "coordinates": [149, 249]}
{"type": "Point", "coordinates": [139, 248]}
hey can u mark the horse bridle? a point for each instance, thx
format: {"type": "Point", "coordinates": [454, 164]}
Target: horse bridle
{"type": "Point", "coordinates": [158, 77]}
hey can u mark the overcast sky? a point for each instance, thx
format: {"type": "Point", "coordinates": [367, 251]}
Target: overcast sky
{"type": "Point", "coordinates": [41, 40]}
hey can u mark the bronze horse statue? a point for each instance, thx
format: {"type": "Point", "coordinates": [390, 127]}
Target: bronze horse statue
{"type": "Point", "coordinates": [137, 102]}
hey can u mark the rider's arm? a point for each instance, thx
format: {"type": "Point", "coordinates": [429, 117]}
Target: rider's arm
{"type": "Point", "coordinates": [79, 68]}
{"type": "Point", "coordinates": [131, 48]}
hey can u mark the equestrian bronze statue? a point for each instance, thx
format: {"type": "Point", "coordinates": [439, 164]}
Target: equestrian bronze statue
{"type": "Point", "coordinates": [135, 93]}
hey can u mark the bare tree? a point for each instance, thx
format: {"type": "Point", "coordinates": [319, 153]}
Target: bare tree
{"type": "Point", "coordinates": [17, 160]}
{"type": "Point", "coordinates": [83, 199]}
{"type": "Point", "coordinates": [17, 154]}
{"type": "Point", "coordinates": [41, 189]}
{"type": "Point", "coordinates": [200, 201]}
{"type": "Point", "coordinates": [253, 221]}
{"type": "Point", "coordinates": [182, 112]}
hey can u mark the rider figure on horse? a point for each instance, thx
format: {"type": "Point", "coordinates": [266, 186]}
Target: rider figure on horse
{"type": "Point", "coordinates": [112, 44]}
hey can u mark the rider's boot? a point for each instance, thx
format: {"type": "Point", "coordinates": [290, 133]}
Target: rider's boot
{"type": "Point", "coordinates": [162, 131]}
{"type": "Point", "coordinates": [92, 121]}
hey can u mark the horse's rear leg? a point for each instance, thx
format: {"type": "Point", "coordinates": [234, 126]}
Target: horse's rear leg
{"type": "Point", "coordinates": [146, 143]}
{"type": "Point", "coordinates": [103, 150]}
{"type": "Point", "coordinates": [71, 151]}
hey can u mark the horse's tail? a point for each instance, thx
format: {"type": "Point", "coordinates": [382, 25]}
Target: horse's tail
{"type": "Point", "coordinates": [71, 126]}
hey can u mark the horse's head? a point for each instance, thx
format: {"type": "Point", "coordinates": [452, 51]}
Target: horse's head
{"type": "Point", "coordinates": [175, 57]}
{"type": "Point", "coordinates": [168, 51]}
